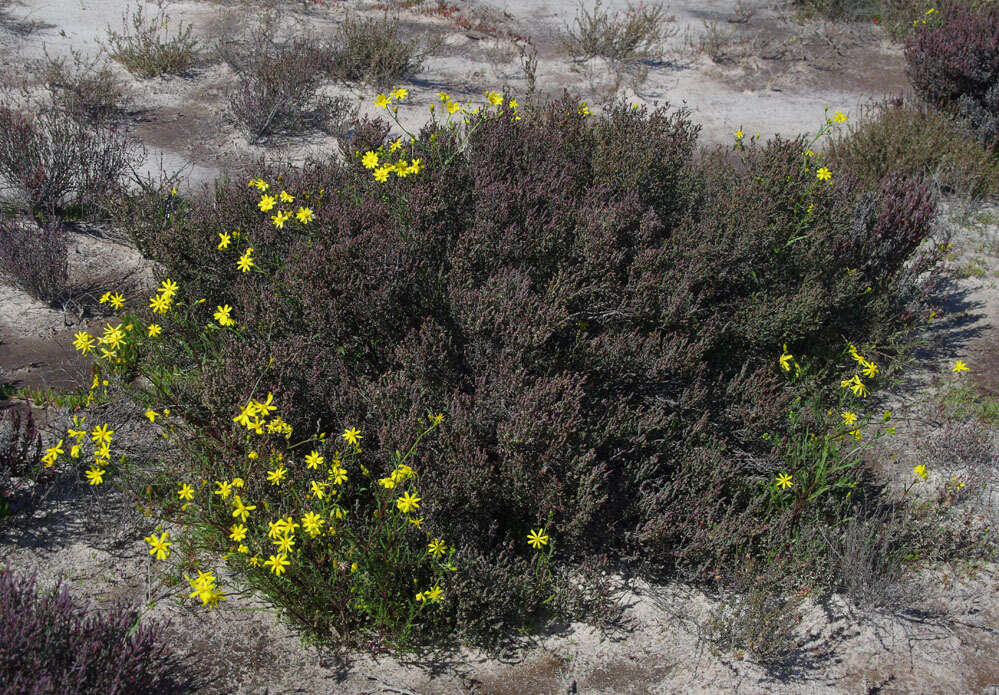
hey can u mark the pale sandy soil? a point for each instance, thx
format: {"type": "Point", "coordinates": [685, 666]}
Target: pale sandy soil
{"type": "Point", "coordinates": [779, 79]}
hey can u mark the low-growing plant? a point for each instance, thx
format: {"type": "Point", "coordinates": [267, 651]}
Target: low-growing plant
{"type": "Point", "coordinates": [919, 141]}
{"type": "Point", "coordinates": [953, 63]}
{"type": "Point", "coordinates": [55, 162]}
{"type": "Point", "coordinates": [605, 327]}
{"type": "Point", "coordinates": [278, 88]}
{"type": "Point", "coordinates": [374, 51]}
{"type": "Point", "coordinates": [20, 451]}
{"type": "Point", "coordinates": [50, 643]}
{"type": "Point", "coordinates": [632, 34]}
{"type": "Point", "coordinates": [35, 258]}
{"type": "Point", "coordinates": [146, 48]}
{"type": "Point", "coordinates": [85, 90]}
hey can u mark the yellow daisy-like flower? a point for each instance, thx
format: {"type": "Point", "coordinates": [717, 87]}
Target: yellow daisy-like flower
{"type": "Point", "coordinates": [848, 417]}
{"type": "Point", "coordinates": [101, 435]}
{"type": "Point", "coordinates": [739, 135]}
{"type": "Point", "coordinates": [95, 475]}
{"type": "Point", "coordinates": [312, 523]}
{"type": "Point", "coordinates": [313, 460]}
{"type": "Point", "coordinates": [370, 159]}
{"type": "Point", "coordinates": [407, 503]}
{"type": "Point", "coordinates": [436, 547]}
{"type": "Point", "coordinates": [870, 369]}
{"type": "Point", "coordinates": [186, 492]}
{"type": "Point", "coordinates": [785, 360]}
{"type": "Point", "coordinates": [338, 475]}
{"type": "Point", "coordinates": [839, 117]}
{"type": "Point", "coordinates": [266, 202]}
{"type": "Point", "coordinates": [823, 174]}
{"type": "Point", "coordinates": [222, 315]}
{"type": "Point", "coordinates": [241, 511]}
{"type": "Point", "coordinates": [224, 489]}
{"type": "Point", "coordinates": [160, 545]}
{"type": "Point", "coordinates": [160, 304]}
{"type": "Point", "coordinates": [784, 481]}
{"type": "Point", "coordinates": [104, 298]}
{"type": "Point", "coordinates": [400, 93]}
{"type": "Point", "coordinates": [286, 197]}
{"type": "Point", "coordinates": [920, 472]}
{"type": "Point", "coordinates": [277, 475]}
{"type": "Point", "coordinates": [352, 435]}
{"type": "Point", "coordinates": [959, 366]}
{"type": "Point", "coordinates": [224, 239]}
{"type": "Point", "coordinates": [151, 415]}
{"type": "Point", "coordinates": [537, 538]}
{"type": "Point", "coordinates": [245, 261]}
{"type": "Point", "coordinates": [381, 101]}
{"type": "Point", "coordinates": [304, 215]}
{"type": "Point", "coordinates": [381, 174]}
{"type": "Point", "coordinates": [277, 563]}
{"type": "Point", "coordinates": [494, 98]}
{"type": "Point", "coordinates": [84, 342]}
{"type": "Point", "coordinates": [153, 330]}
{"type": "Point", "coordinates": [117, 301]}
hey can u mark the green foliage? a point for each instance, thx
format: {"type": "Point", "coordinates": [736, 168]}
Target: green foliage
{"type": "Point", "coordinates": [633, 34]}
{"type": "Point", "coordinates": [373, 51]}
{"type": "Point", "coordinates": [146, 48]}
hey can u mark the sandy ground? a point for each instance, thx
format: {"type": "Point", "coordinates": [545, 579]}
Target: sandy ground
{"type": "Point", "coordinates": [772, 75]}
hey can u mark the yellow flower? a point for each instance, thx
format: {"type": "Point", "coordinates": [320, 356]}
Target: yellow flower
{"type": "Point", "coordinates": [222, 315]}
{"type": "Point", "coordinates": [381, 174]}
{"type": "Point", "coordinates": [537, 538]}
{"type": "Point", "coordinates": [312, 523]}
{"type": "Point", "coordinates": [436, 547]}
{"type": "Point", "coordinates": [224, 239]}
{"type": "Point", "coordinates": [584, 110]}
{"type": "Point", "coordinates": [151, 415]}
{"type": "Point", "coordinates": [160, 304]}
{"type": "Point", "coordinates": [280, 218]}
{"type": "Point", "coordinates": [381, 101]}
{"type": "Point", "coordinates": [95, 475]}
{"type": "Point", "coordinates": [453, 106]}
{"type": "Point", "coordinates": [785, 360]}
{"type": "Point", "coordinates": [848, 417]}
{"type": "Point", "coordinates": [154, 330]}
{"type": "Point", "coordinates": [859, 388]}
{"type": "Point", "coordinates": [101, 435]}
{"type": "Point", "coordinates": [318, 489]}
{"type": "Point", "coordinates": [304, 215]}
{"type": "Point", "coordinates": [314, 460]}
{"type": "Point", "coordinates": [284, 543]}
{"type": "Point", "coordinates": [824, 174]}
{"type": "Point", "coordinates": [370, 159]}
{"type": "Point", "coordinates": [338, 475]}
{"type": "Point", "coordinates": [104, 298]}
{"type": "Point", "coordinates": [395, 144]}
{"type": "Point", "coordinates": [286, 197]}
{"type": "Point", "coordinates": [436, 419]}
{"type": "Point", "coordinates": [407, 503]}
{"type": "Point", "coordinates": [959, 366]}
{"type": "Point", "coordinates": [920, 472]}
{"type": "Point", "coordinates": [186, 492]}
{"type": "Point", "coordinates": [739, 135]}
{"type": "Point", "coordinates": [117, 301]}
{"type": "Point", "coordinates": [277, 475]}
{"type": "Point", "coordinates": [870, 369]}
{"type": "Point", "coordinates": [352, 435]}
{"type": "Point", "coordinates": [241, 511]}
{"type": "Point", "coordinates": [224, 489]}
{"type": "Point", "coordinates": [839, 117]}
{"type": "Point", "coordinates": [400, 93]}
{"type": "Point", "coordinates": [160, 545]}
{"type": "Point", "coordinates": [84, 342]}
{"type": "Point", "coordinates": [277, 563]}
{"type": "Point", "coordinates": [245, 261]}
{"type": "Point", "coordinates": [266, 202]}
{"type": "Point", "coordinates": [238, 482]}
{"type": "Point", "coordinates": [168, 287]}
{"type": "Point", "coordinates": [784, 481]}
{"type": "Point", "coordinates": [444, 97]}
{"type": "Point", "coordinates": [494, 98]}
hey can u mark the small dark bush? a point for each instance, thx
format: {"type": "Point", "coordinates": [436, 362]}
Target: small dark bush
{"type": "Point", "coordinates": [20, 450]}
{"type": "Point", "coordinates": [84, 90]}
{"type": "Point", "coordinates": [146, 48]}
{"type": "Point", "coordinates": [632, 34]}
{"type": "Point", "coordinates": [373, 51]}
{"type": "Point", "coordinates": [35, 258]}
{"type": "Point", "coordinates": [55, 162]}
{"type": "Point", "coordinates": [50, 645]}
{"type": "Point", "coordinates": [954, 64]}
{"type": "Point", "coordinates": [278, 88]}
{"type": "Point", "coordinates": [918, 141]}
{"type": "Point", "coordinates": [596, 307]}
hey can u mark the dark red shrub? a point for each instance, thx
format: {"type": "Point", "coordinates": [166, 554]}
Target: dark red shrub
{"type": "Point", "coordinates": [955, 65]}
{"type": "Point", "coordinates": [51, 645]}
{"type": "Point", "coordinates": [35, 258]}
{"type": "Point", "coordinates": [596, 310]}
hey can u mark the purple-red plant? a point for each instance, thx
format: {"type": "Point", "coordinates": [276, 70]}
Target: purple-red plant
{"type": "Point", "coordinates": [52, 645]}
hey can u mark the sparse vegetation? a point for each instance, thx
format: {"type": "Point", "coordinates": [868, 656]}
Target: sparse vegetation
{"type": "Point", "coordinates": [636, 33]}
{"type": "Point", "coordinates": [920, 141]}
{"type": "Point", "coordinates": [374, 51]}
{"type": "Point", "coordinates": [147, 49]}
{"type": "Point", "coordinates": [35, 258]}
{"type": "Point", "coordinates": [85, 90]}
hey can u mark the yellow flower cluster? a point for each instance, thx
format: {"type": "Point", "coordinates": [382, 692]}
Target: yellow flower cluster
{"type": "Point", "coordinates": [205, 589]}
{"type": "Point", "coordinates": [100, 441]}
{"type": "Point", "coordinates": [254, 416]}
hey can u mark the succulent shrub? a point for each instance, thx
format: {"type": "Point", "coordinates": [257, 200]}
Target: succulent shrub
{"type": "Point", "coordinates": [595, 305]}
{"type": "Point", "coordinates": [50, 643]}
{"type": "Point", "coordinates": [953, 63]}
